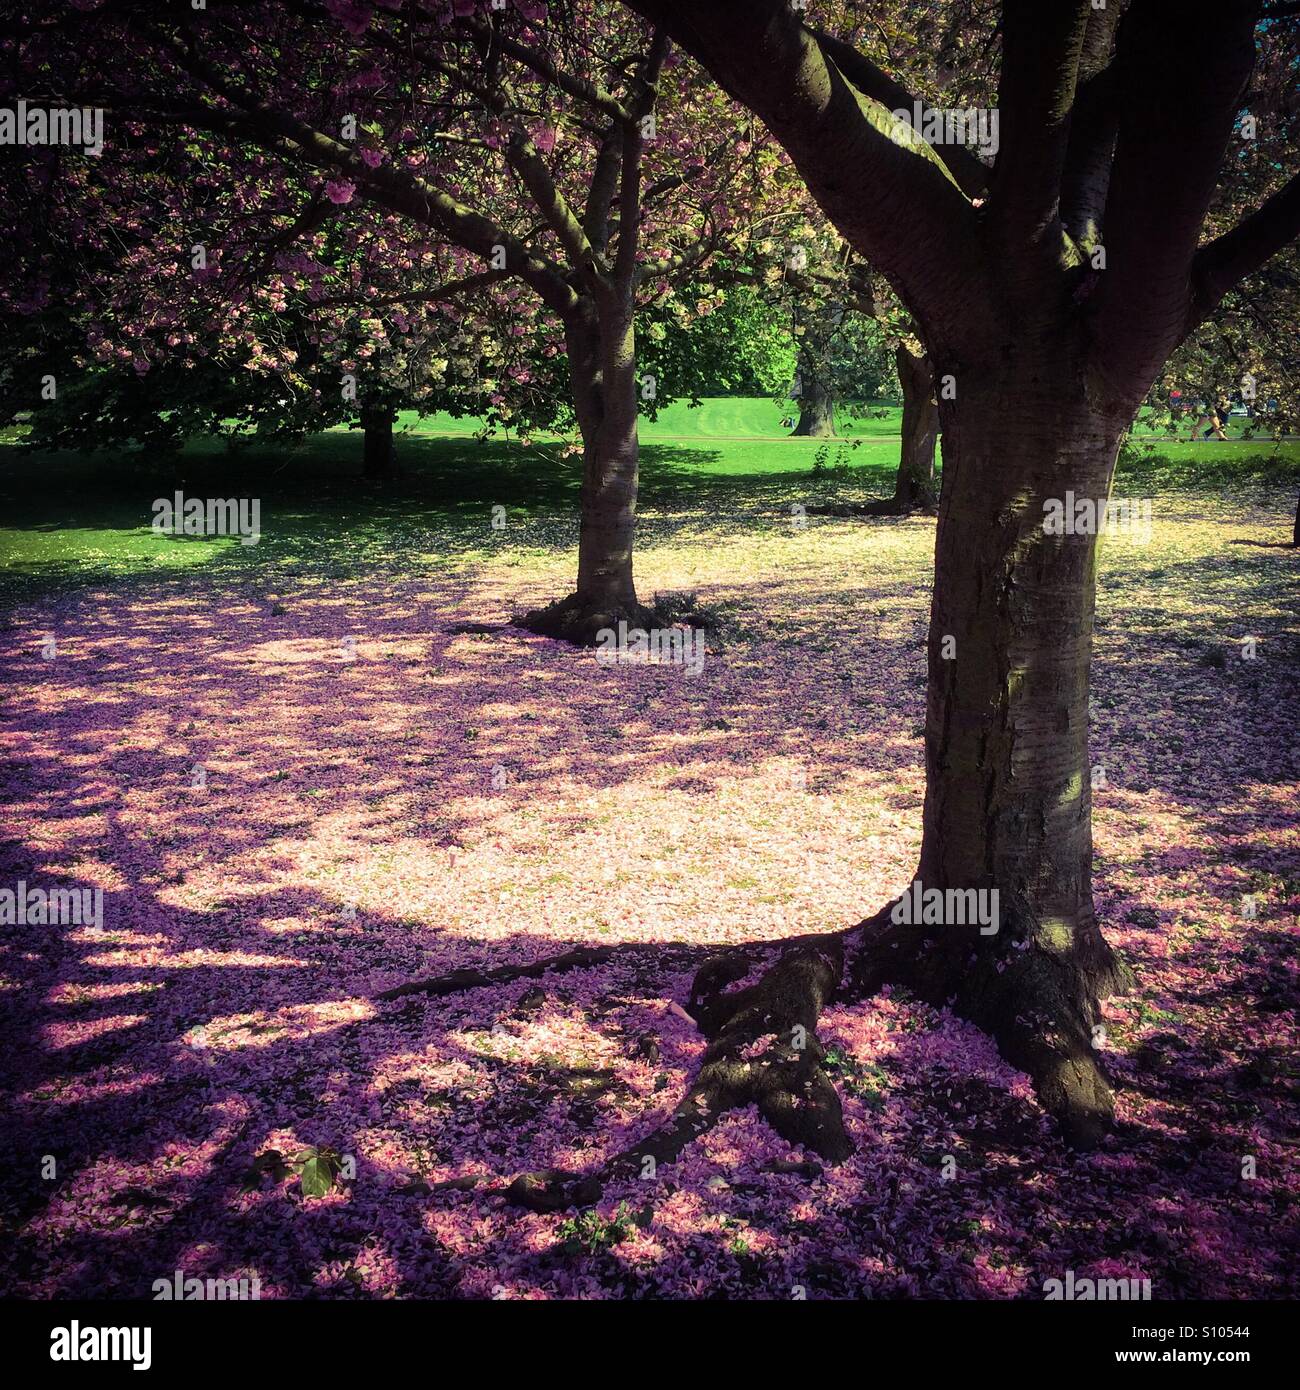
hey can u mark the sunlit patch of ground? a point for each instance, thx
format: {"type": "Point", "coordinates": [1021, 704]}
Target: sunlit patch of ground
{"type": "Point", "coordinates": [297, 788]}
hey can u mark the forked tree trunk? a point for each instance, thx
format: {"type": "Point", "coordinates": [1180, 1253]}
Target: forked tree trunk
{"type": "Point", "coordinates": [601, 345]}
{"type": "Point", "coordinates": [378, 458]}
{"type": "Point", "coordinates": [914, 486]}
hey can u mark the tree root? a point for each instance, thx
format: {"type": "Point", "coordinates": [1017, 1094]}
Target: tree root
{"type": "Point", "coordinates": [1041, 1012]}
{"type": "Point", "coordinates": [713, 975]}
{"type": "Point", "coordinates": [1041, 1009]}
{"type": "Point", "coordinates": [763, 1048]}
{"type": "Point", "coordinates": [884, 506]}
{"type": "Point", "coordinates": [903, 506]}
{"type": "Point", "coordinates": [580, 621]}
{"type": "Point", "coordinates": [454, 981]}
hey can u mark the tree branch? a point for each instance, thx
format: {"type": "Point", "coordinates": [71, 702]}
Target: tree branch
{"type": "Point", "coordinates": [386, 185]}
{"type": "Point", "coordinates": [591, 93]}
{"type": "Point", "coordinates": [970, 173]}
{"type": "Point", "coordinates": [629, 198]}
{"type": "Point", "coordinates": [603, 186]}
{"type": "Point", "coordinates": [1094, 124]}
{"type": "Point", "coordinates": [466, 285]}
{"type": "Point", "coordinates": [1173, 136]}
{"type": "Point", "coordinates": [1227, 260]}
{"type": "Point", "coordinates": [918, 228]}
{"type": "Point", "coordinates": [524, 157]}
{"type": "Point", "coordinates": [1042, 41]}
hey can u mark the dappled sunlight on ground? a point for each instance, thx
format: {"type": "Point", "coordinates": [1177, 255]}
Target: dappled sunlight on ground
{"type": "Point", "coordinates": [296, 786]}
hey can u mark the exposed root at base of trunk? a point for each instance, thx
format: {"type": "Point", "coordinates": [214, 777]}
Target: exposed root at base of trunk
{"type": "Point", "coordinates": [581, 620]}
{"type": "Point", "coordinates": [763, 1049]}
{"type": "Point", "coordinates": [924, 505]}
{"type": "Point", "coordinates": [456, 980]}
{"type": "Point", "coordinates": [883, 506]}
{"type": "Point", "coordinates": [1042, 1010]}
{"type": "Point", "coordinates": [1042, 1013]}
{"type": "Point", "coordinates": [578, 958]}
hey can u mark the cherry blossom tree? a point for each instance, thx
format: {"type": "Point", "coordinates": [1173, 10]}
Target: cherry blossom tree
{"type": "Point", "coordinates": [1049, 288]}
{"type": "Point", "coordinates": [566, 168]}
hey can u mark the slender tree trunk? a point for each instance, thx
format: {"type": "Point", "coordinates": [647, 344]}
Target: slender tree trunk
{"type": "Point", "coordinates": [914, 486]}
{"type": "Point", "coordinates": [1295, 535]}
{"type": "Point", "coordinates": [378, 460]}
{"type": "Point", "coordinates": [816, 401]}
{"type": "Point", "coordinates": [611, 457]}
{"type": "Point", "coordinates": [601, 345]}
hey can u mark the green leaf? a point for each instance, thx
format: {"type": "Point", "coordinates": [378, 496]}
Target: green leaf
{"type": "Point", "coordinates": [317, 1170]}
{"type": "Point", "coordinates": [317, 1177]}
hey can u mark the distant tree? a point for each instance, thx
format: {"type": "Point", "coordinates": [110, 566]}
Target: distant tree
{"type": "Point", "coordinates": [842, 357]}
{"type": "Point", "coordinates": [714, 338]}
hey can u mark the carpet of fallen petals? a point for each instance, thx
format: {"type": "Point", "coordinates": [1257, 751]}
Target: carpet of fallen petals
{"type": "Point", "coordinates": [379, 797]}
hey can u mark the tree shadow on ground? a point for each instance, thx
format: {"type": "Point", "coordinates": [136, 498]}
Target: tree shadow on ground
{"type": "Point", "coordinates": [351, 831]}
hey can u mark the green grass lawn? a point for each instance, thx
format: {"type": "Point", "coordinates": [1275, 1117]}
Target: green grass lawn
{"type": "Point", "coordinates": [76, 519]}
{"type": "Point", "coordinates": [714, 417]}
{"type": "Point", "coordinates": [730, 418]}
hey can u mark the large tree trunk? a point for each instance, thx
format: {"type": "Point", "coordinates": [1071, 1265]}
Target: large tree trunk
{"type": "Point", "coordinates": [914, 486]}
{"type": "Point", "coordinates": [1008, 782]}
{"type": "Point", "coordinates": [378, 459]}
{"type": "Point", "coordinates": [816, 400]}
{"type": "Point", "coordinates": [601, 344]}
